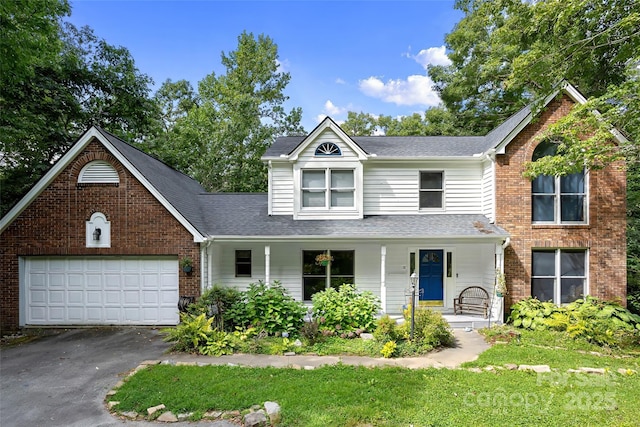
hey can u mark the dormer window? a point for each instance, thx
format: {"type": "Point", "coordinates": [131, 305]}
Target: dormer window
{"type": "Point", "coordinates": [328, 188]}
{"type": "Point", "coordinates": [328, 149]}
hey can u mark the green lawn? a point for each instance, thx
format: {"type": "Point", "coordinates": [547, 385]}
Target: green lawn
{"type": "Point", "coordinates": [357, 396]}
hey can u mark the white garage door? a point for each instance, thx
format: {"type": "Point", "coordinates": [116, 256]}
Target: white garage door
{"type": "Point", "coordinates": [101, 291]}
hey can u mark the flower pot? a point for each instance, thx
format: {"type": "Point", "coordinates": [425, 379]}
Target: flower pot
{"type": "Point", "coordinates": [324, 263]}
{"type": "Point", "coordinates": [499, 294]}
{"type": "Point", "coordinates": [187, 269]}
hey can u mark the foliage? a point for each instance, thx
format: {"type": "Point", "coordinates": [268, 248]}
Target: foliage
{"type": "Point", "coordinates": [218, 343]}
{"type": "Point", "coordinates": [310, 331]}
{"type": "Point", "coordinates": [215, 302]}
{"type": "Point", "coordinates": [232, 119]}
{"type": "Point", "coordinates": [596, 321]}
{"type": "Point", "coordinates": [386, 329]}
{"type": "Point", "coordinates": [434, 121]}
{"type": "Point", "coordinates": [430, 328]}
{"type": "Point", "coordinates": [192, 332]}
{"type": "Point", "coordinates": [56, 81]}
{"type": "Point", "coordinates": [267, 308]}
{"type": "Point", "coordinates": [389, 349]}
{"type": "Point", "coordinates": [346, 309]}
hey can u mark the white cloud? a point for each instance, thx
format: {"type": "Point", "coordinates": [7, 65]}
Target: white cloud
{"type": "Point", "coordinates": [283, 66]}
{"type": "Point", "coordinates": [320, 117]}
{"type": "Point", "coordinates": [332, 110]}
{"type": "Point", "coordinates": [432, 56]}
{"type": "Point", "coordinates": [340, 81]}
{"type": "Point", "coordinates": [415, 90]}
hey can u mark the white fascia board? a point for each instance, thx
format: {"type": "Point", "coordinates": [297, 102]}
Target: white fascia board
{"type": "Point", "coordinates": [257, 239]}
{"type": "Point", "coordinates": [48, 177]}
{"type": "Point", "coordinates": [473, 158]}
{"type": "Point", "coordinates": [69, 156]}
{"type": "Point", "coordinates": [327, 123]}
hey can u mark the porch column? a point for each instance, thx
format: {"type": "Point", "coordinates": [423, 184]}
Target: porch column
{"type": "Point", "coordinates": [497, 309]}
{"type": "Point", "coordinates": [209, 265]}
{"type": "Point", "coordinates": [383, 275]}
{"type": "Point", "coordinates": [267, 264]}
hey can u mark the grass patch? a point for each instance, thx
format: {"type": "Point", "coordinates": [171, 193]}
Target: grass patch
{"type": "Point", "coordinates": [351, 396]}
{"type": "Point", "coordinates": [551, 348]}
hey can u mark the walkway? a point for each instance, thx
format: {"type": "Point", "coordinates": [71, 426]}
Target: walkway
{"type": "Point", "coordinates": [469, 345]}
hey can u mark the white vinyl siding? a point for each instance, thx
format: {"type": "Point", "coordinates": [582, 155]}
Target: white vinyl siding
{"type": "Point", "coordinates": [309, 153]}
{"type": "Point", "coordinates": [394, 188]}
{"type": "Point", "coordinates": [281, 189]}
{"type": "Point", "coordinates": [488, 189]}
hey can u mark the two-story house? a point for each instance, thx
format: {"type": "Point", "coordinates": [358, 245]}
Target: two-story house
{"type": "Point", "coordinates": [99, 239]}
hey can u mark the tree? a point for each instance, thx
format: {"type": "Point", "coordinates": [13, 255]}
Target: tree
{"type": "Point", "coordinates": [56, 81]}
{"type": "Point", "coordinates": [359, 124]}
{"type": "Point", "coordinates": [507, 53]}
{"type": "Point", "coordinates": [239, 115]}
{"type": "Point", "coordinates": [435, 121]}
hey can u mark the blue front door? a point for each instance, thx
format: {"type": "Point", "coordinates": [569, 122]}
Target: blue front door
{"type": "Point", "coordinates": [431, 273]}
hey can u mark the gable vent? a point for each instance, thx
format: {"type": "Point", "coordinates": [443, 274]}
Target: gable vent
{"type": "Point", "coordinates": [98, 172]}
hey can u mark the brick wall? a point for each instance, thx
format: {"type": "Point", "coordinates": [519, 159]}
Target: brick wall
{"type": "Point", "coordinates": [604, 236]}
{"type": "Point", "coordinates": [54, 224]}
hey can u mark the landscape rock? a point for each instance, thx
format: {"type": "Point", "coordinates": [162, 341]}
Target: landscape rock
{"type": "Point", "coordinates": [212, 414]}
{"type": "Point", "coordinates": [184, 417]}
{"type": "Point", "coordinates": [255, 419]}
{"type": "Point", "coordinates": [273, 411]}
{"type": "Point", "coordinates": [309, 368]}
{"type": "Point", "coordinates": [511, 366]}
{"type": "Point", "coordinates": [132, 415]}
{"type": "Point", "coordinates": [290, 353]}
{"type": "Point", "coordinates": [152, 410]}
{"type": "Point", "coordinates": [366, 336]}
{"type": "Point", "coordinates": [628, 372]}
{"type": "Point", "coordinates": [297, 343]}
{"type": "Point", "coordinates": [599, 371]}
{"type": "Point", "coordinates": [167, 417]}
{"type": "Point", "coordinates": [112, 404]}
{"type": "Point", "coordinates": [535, 368]}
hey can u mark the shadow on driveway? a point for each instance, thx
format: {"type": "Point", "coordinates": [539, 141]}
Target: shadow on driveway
{"type": "Point", "coordinates": [62, 379]}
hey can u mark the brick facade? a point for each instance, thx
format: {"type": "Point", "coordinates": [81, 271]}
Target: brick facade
{"type": "Point", "coordinates": [54, 224]}
{"type": "Point", "coordinates": [604, 236]}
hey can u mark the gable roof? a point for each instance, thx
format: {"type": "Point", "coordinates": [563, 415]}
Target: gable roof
{"type": "Point", "coordinates": [171, 188]}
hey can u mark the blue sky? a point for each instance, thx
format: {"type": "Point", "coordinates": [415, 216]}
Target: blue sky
{"type": "Point", "coordinates": [368, 56]}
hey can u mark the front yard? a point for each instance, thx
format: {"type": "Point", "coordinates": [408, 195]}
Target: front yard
{"type": "Point", "coordinates": [357, 396]}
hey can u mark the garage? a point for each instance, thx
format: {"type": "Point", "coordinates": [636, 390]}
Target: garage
{"type": "Point", "coordinates": [99, 291]}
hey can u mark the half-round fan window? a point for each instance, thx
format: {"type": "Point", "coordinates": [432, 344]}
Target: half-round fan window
{"type": "Point", "coordinates": [328, 149]}
{"type": "Point", "coordinates": [98, 172]}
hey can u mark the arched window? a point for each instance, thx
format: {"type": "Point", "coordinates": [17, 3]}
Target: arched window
{"type": "Point", "coordinates": [98, 172]}
{"type": "Point", "coordinates": [328, 149]}
{"type": "Point", "coordinates": [557, 199]}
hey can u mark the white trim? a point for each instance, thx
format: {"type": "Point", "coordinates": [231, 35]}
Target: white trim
{"type": "Point", "coordinates": [71, 155]}
{"type": "Point", "coordinates": [327, 123]}
{"type": "Point", "coordinates": [383, 278]}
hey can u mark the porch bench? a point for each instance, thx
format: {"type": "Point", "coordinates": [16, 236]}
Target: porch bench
{"type": "Point", "coordinates": [472, 299]}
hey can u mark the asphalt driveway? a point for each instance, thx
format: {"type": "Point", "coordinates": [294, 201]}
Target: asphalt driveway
{"type": "Point", "coordinates": [61, 380]}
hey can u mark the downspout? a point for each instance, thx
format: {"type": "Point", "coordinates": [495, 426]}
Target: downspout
{"type": "Point", "coordinates": [383, 275]}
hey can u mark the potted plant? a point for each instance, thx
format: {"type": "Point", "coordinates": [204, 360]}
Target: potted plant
{"type": "Point", "coordinates": [186, 263]}
{"type": "Point", "coordinates": [501, 285]}
{"type": "Point", "coordinates": [323, 259]}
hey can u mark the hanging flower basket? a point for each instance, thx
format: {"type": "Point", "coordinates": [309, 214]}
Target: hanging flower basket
{"type": "Point", "coordinates": [323, 259]}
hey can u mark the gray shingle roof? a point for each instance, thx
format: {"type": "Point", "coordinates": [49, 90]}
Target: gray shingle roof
{"type": "Point", "coordinates": [417, 146]}
{"type": "Point", "coordinates": [245, 215]}
{"type": "Point", "coordinates": [179, 189]}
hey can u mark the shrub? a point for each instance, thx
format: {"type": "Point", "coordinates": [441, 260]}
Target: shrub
{"type": "Point", "coordinates": [345, 310]}
{"type": "Point", "coordinates": [389, 349]}
{"type": "Point", "coordinates": [218, 343]}
{"type": "Point", "coordinates": [386, 329]}
{"type": "Point", "coordinates": [215, 302]}
{"type": "Point", "coordinates": [190, 333]}
{"type": "Point", "coordinates": [310, 331]}
{"type": "Point", "coordinates": [267, 308]}
{"type": "Point", "coordinates": [596, 321]}
{"type": "Point", "coordinates": [430, 328]}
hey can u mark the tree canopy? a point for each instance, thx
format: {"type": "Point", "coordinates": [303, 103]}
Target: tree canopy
{"type": "Point", "coordinates": [56, 80]}
{"type": "Point", "coordinates": [221, 134]}
{"type": "Point", "coordinates": [508, 53]}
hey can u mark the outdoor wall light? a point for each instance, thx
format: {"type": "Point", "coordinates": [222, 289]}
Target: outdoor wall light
{"type": "Point", "coordinates": [96, 234]}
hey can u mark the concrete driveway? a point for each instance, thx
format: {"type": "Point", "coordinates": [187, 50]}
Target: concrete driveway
{"type": "Point", "coordinates": [61, 380]}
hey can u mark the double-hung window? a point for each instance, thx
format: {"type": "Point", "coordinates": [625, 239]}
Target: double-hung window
{"type": "Point", "coordinates": [431, 190]}
{"type": "Point", "coordinates": [243, 263]}
{"type": "Point", "coordinates": [318, 276]}
{"type": "Point", "coordinates": [557, 199]}
{"type": "Point", "coordinates": [559, 275]}
{"type": "Point", "coordinates": [328, 188]}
